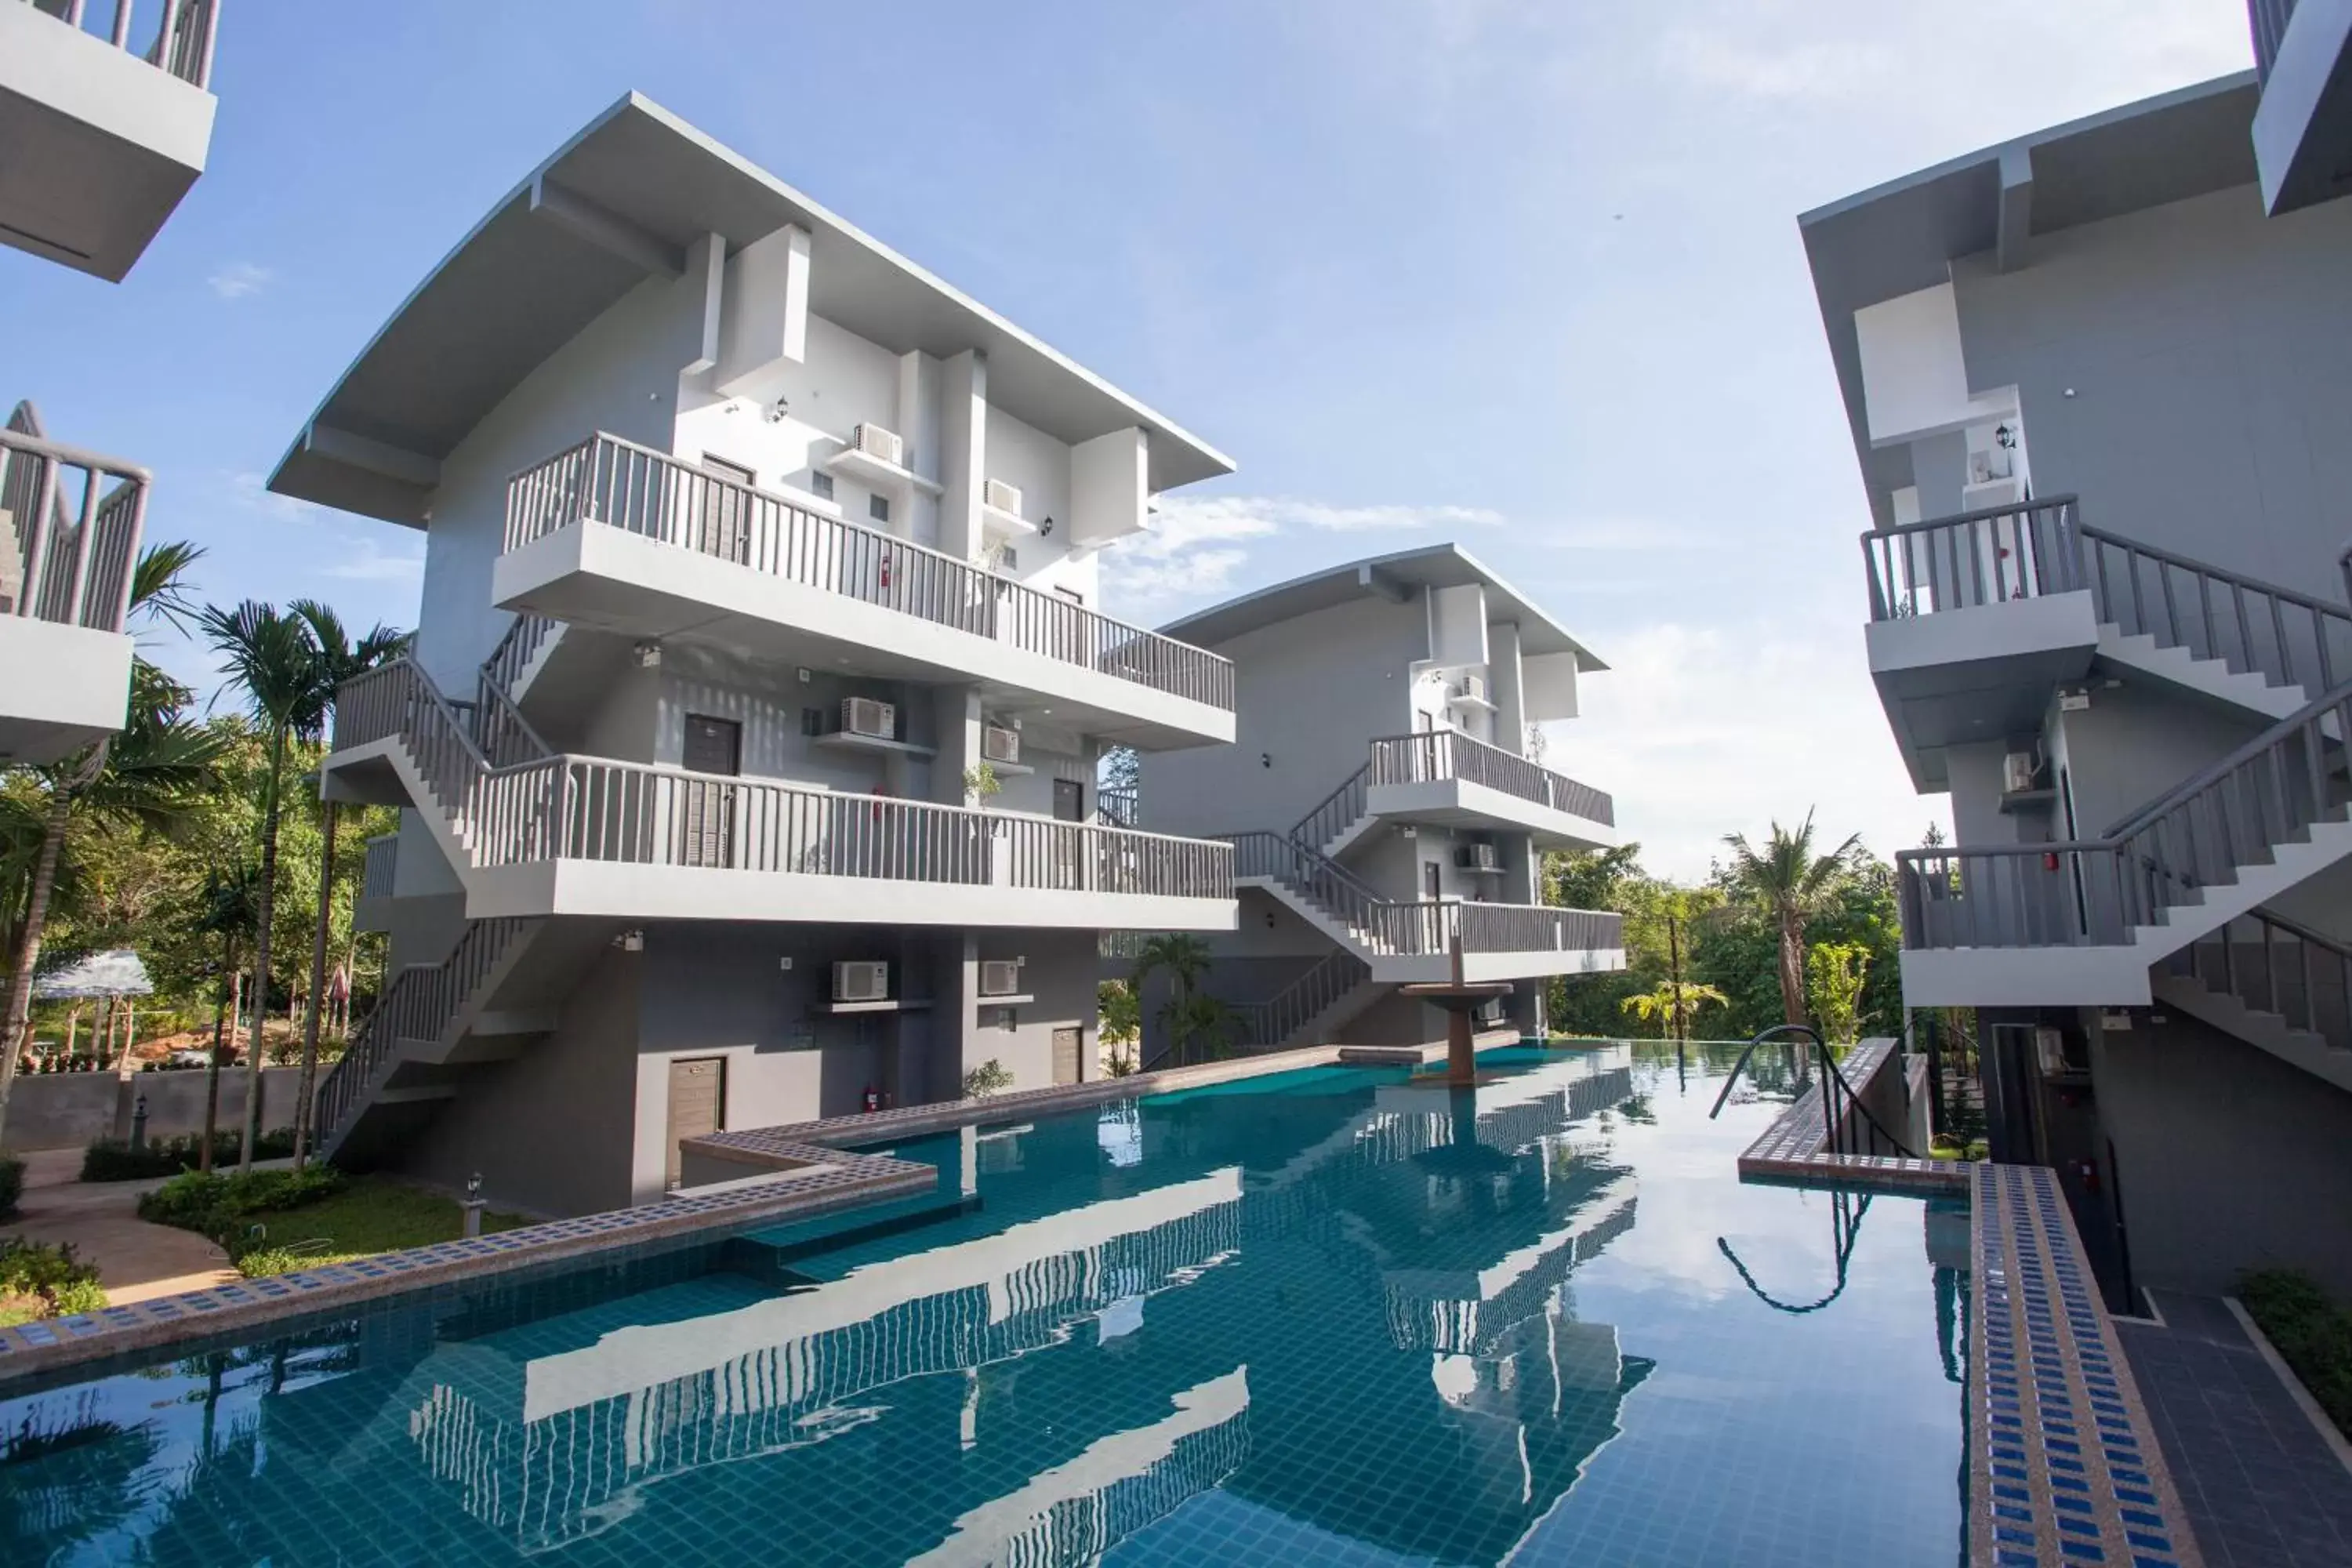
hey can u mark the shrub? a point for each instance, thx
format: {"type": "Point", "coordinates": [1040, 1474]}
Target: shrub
{"type": "Point", "coordinates": [219, 1205]}
{"type": "Point", "coordinates": [45, 1280]}
{"type": "Point", "coordinates": [2314, 1335]}
{"type": "Point", "coordinates": [987, 1079]}
{"type": "Point", "coordinates": [12, 1183]}
{"type": "Point", "coordinates": [113, 1160]}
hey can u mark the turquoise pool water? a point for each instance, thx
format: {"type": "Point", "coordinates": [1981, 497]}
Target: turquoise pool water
{"type": "Point", "coordinates": [1336, 1317]}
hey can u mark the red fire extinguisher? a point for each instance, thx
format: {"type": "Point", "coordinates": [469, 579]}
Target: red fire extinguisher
{"type": "Point", "coordinates": [873, 1097]}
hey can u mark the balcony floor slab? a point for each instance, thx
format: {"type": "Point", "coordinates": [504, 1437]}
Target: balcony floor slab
{"type": "Point", "coordinates": [615, 581]}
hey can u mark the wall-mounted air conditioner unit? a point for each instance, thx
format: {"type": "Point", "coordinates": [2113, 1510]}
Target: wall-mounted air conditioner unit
{"type": "Point", "coordinates": [1002, 497]}
{"type": "Point", "coordinates": [2017, 770]}
{"type": "Point", "coordinates": [999, 745]}
{"type": "Point", "coordinates": [877, 443]}
{"type": "Point", "coordinates": [865, 716]}
{"type": "Point", "coordinates": [1001, 977]}
{"type": "Point", "coordinates": [1470, 689]}
{"type": "Point", "coordinates": [863, 980]}
{"type": "Point", "coordinates": [1477, 857]}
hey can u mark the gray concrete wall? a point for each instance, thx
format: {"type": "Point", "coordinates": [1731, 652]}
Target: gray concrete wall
{"type": "Point", "coordinates": [1311, 693]}
{"type": "Point", "coordinates": [2209, 350]}
{"type": "Point", "coordinates": [550, 1129]}
{"type": "Point", "coordinates": [66, 1111]}
{"type": "Point", "coordinates": [2226, 1158]}
{"type": "Point", "coordinates": [2129, 746]}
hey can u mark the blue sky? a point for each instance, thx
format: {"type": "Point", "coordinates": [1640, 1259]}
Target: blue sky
{"type": "Point", "coordinates": [1526, 276]}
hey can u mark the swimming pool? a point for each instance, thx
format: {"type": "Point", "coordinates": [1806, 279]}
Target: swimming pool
{"type": "Point", "coordinates": [1318, 1318]}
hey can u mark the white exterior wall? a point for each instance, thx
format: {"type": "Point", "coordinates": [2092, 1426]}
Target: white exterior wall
{"type": "Point", "coordinates": [621, 374]}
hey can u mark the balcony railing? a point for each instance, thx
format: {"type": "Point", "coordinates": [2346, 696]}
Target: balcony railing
{"type": "Point", "coordinates": [576, 808]}
{"type": "Point", "coordinates": [1424, 927]}
{"type": "Point", "coordinates": [1450, 754]}
{"type": "Point", "coordinates": [2007, 554]}
{"type": "Point", "coordinates": [69, 527]}
{"type": "Point", "coordinates": [181, 43]}
{"type": "Point", "coordinates": [654, 495]}
{"type": "Point", "coordinates": [549, 807]}
{"type": "Point", "coordinates": [383, 863]}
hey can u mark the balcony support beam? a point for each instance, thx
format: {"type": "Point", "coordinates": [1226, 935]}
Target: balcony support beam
{"type": "Point", "coordinates": [607, 230]}
{"type": "Point", "coordinates": [1372, 580]}
{"type": "Point", "coordinates": [373, 456]}
{"type": "Point", "coordinates": [2016, 208]}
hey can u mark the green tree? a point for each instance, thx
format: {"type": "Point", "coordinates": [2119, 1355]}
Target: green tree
{"type": "Point", "coordinates": [1673, 1004]}
{"type": "Point", "coordinates": [143, 779]}
{"type": "Point", "coordinates": [1834, 972]}
{"type": "Point", "coordinates": [271, 659]}
{"type": "Point", "coordinates": [1188, 1014]}
{"type": "Point", "coordinates": [1120, 1017]}
{"type": "Point", "coordinates": [335, 659]}
{"type": "Point", "coordinates": [1196, 1019]}
{"type": "Point", "coordinates": [1788, 884]}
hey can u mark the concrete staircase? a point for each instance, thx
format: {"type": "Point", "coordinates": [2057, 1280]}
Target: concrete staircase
{"type": "Point", "coordinates": [2271, 982]}
{"type": "Point", "coordinates": [2208, 633]}
{"type": "Point", "coordinates": [1333, 991]}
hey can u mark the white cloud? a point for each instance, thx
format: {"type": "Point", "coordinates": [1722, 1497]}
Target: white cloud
{"type": "Point", "coordinates": [1778, 68]}
{"type": "Point", "coordinates": [1196, 545]}
{"type": "Point", "coordinates": [252, 492]}
{"type": "Point", "coordinates": [237, 280]}
{"type": "Point", "coordinates": [1192, 551]}
{"type": "Point", "coordinates": [366, 562]}
{"type": "Point", "coordinates": [1703, 729]}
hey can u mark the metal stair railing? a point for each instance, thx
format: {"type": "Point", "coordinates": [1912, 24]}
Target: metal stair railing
{"type": "Point", "coordinates": [1390, 927]}
{"type": "Point", "coordinates": [1336, 812]}
{"type": "Point", "coordinates": [2033, 549]}
{"type": "Point", "coordinates": [2271, 964]}
{"type": "Point", "coordinates": [1271, 1022]}
{"type": "Point", "coordinates": [420, 1004]}
{"type": "Point", "coordinates": [525, 635]}
{"type": "Point", "coordinates": [2234, 813]}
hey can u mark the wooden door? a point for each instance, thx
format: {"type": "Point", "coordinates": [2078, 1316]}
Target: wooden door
{"type": "Point", "coordinates": [726, 510]}
{"type": "Point", "coordinates": [707, 811]}
{"type": "Point", "coordinates": [1066, 1055]}
{"type": "Point", "coordinates": [697, 1104]}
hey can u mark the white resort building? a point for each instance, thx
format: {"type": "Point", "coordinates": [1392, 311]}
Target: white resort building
{"type": "Point", "coordinates": [749, 738]}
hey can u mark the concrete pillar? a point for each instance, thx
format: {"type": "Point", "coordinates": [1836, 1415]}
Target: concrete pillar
{"type": "Point", "coordinates": [917, 421]}
{"type": "Point", "coordinates": [1505, 687]}
{"type": "Point", "coordinates": [957, 716]}
{"type": "Point", "coordinates": [963, 452]}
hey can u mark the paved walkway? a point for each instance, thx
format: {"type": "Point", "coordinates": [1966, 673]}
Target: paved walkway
{"type": "Point", "coordinates": [135, 1260]}
{"type": "Point", "coordinates": [2262, 1486]}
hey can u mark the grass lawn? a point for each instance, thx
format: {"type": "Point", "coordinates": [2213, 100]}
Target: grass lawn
{"type": "Point", "coordinates": [372, 1215]}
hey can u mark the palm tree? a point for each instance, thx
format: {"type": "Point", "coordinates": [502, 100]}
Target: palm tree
{"type": "Point", "coordinates": [1186, 960]}
{"type": "Point", "coordinates": [271, 659]}
{"type": "Point", "coordinates": [1788, 884]}
{"type": "Point", "coordinates": [335, 660]}
{"type": "Point", "coordinates": [1195, 1018]}
{"type": "Point", "coordinates": [143, 778]}
{"type": "Point", "coordinates": [1673, 1004]}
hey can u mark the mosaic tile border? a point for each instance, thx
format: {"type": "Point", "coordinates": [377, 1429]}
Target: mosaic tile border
{"type": "Point", "coordinates": [1793, 1148]}
{"type": "Point", "coordinates": [819, 1180]}
{"type": "Point", "coordinates": [2064, 1467]}
{"type": "Point", "coordinates": [776, 1147]}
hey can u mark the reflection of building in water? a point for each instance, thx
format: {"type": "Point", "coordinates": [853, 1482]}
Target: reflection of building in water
{"type": "Point", "coordinates": [1414, 1332]}
{"type": "Point", "coordinates": [1122, 1482]}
